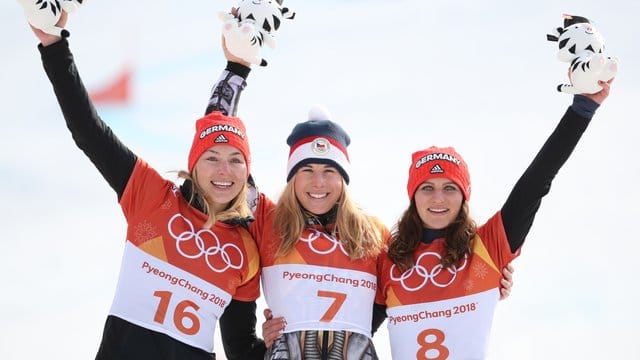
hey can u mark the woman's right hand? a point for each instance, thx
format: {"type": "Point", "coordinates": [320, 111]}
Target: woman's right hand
{"type": "Point", "coordinates": [272, 328]}
{"type": "Point", "coordinates": [227, 54]}
{"type": "Point", "coordinates": [232, 58]}
{"type": "Point", "coordinates": [48, 39]}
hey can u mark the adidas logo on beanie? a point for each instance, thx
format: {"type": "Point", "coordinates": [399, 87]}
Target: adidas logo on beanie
{"type": "Point", "coordinates": [436, 162]}
{"type": "Point", "coordinates": [219, 129]}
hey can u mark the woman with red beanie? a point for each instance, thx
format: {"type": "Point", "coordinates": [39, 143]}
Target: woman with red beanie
{"type": "Point", "coordinates": [188, 260]}
{"type": "Point", "coordinates": [439, 283]}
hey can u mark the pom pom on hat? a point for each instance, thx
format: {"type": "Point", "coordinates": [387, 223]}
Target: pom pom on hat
{"type": "Point", "coordinates": [319, 112]}
{"type": "Point", "coordinates": [219, 129]}
{"type": "Point", "coordinates": [318, 141]}
{"type": "Point", "coordinates": [437, 162]}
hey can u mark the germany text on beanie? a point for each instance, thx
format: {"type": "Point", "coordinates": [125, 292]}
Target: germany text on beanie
{"type": "Point", "coordinates": [219, 129]}
{"type": "Point", "coordinates": [438, 162]}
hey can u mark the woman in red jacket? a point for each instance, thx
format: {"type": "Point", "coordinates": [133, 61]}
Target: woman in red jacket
{"type": "Point", "coordinates": [318, 250]}
{"type": "Point", "coordinates": [439, 282]}
{"type": "Point", "coordinates": [189, 260]}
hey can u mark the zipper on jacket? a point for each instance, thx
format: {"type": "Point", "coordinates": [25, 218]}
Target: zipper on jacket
{"type": "Point", "coordinates": [325, 345]}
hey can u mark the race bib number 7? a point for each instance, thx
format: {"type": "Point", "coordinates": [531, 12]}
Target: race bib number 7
{"type": "Point", "coordinates": [313, 297]}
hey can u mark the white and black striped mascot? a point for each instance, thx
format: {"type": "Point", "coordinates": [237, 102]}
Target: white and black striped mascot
{"type": "Point", "coordinates": [581, 45]}
{"type": "Point", "coordinates": [254, 23]}
{"type": "Point", "coordinates": [45, 14]}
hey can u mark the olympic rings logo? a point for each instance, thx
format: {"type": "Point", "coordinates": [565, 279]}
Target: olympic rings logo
{"type": "Point", "coordinates": [314, 235]}
{"type": "Point", "coordinates": [197, 237]}
{"type": "Point", "coordinates": [427, 274]}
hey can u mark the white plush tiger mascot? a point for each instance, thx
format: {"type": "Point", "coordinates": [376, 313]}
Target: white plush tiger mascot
{"type": "Point", "coordinates": [254, 24]}
{"type": "Point", "coordinates": [582, 46]}
{"type": "Point", "coordinates": [45, 14]}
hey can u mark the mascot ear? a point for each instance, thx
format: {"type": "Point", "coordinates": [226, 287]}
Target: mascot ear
{"type": "Point", "coordinates": [279, 2]}
{"type": "Point", "coordinates": [287, 14]}
{"type": "Point", "coordinates": [556, 34]}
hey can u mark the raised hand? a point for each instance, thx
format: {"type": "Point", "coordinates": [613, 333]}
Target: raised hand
{"type": "Point", "coordinates": [48, 39]}
{"type": "Point", "coordinates": [601, 95]}
{"type": "Point", "coordinates": [230, 57]}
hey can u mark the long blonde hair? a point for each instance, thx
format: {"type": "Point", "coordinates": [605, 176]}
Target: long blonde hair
{"type": "Point", "coordinates": [238, 207]}
{"type": "Point", "coordinates": [361, 235]}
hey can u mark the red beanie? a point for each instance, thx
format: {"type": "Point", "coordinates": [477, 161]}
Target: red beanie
{"type": "Point", "coordinates": [435, 162]}
{"type": "Point", "coordinates": [219, 129]}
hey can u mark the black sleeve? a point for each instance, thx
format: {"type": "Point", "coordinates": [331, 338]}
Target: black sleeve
{"type": "Point", "coordinates": [238, 341]}
{"type": "Point", "coordinates": [110, 156]}
{"type": "Point", "coordinates": [519, 211]}
{"type": "Point", "coordinates": [379, 315]}
{"type": "Point", "coordinates": [225, 94]}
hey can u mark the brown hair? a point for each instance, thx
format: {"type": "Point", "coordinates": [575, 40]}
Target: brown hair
{"type": "Point", "coordinates": [407, 234]}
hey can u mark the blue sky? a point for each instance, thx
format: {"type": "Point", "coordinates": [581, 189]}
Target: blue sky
{"type": "Point", "coordinates": [399, 76]}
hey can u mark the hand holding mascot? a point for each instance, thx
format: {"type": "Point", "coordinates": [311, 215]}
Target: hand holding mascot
{"type": "Point", "coordinates": [581, 45]}
{"type": "Point", "coordinates": [45, 14]}
{"type": "Point", "coordinates": [253, 24]}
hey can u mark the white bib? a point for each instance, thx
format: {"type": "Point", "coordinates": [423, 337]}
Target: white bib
{"type": "Point", "coordinates": [159, 296]}
{"type": "Point", "coordinates": [320, 298]}
{"type": "Point", "coordinates": [449, 329]}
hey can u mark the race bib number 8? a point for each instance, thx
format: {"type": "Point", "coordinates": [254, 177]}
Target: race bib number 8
{"type": "Point", "coordinates": [430, 342]}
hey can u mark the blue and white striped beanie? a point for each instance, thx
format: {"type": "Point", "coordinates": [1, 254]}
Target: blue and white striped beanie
{"type": "Point", "coordinates": [318, 141]}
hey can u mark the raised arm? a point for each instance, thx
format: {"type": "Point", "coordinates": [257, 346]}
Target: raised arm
{"type": "Point", "coordinates": [518, 212]}
{"type": "Point", "coordinates": [110, 156]}
{"type": "Point", "coordinates": [239, 315]}
{"type": "Point", "coordinates": [225, 94]}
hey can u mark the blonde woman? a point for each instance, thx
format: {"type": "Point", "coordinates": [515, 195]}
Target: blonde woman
{"type": "Point", "coordinates": [318, 250]}
{"type": "Point", "coordinates": [188, 260]}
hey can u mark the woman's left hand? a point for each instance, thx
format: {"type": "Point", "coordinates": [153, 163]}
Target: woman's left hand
{"type": "Point", "coordinates": [272, 328]}
{"type": "Point", "coordinates": [507, 281]}
{"type": "Point", "coordinates": [601, 95]}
